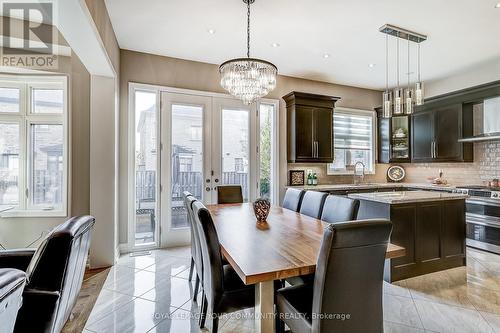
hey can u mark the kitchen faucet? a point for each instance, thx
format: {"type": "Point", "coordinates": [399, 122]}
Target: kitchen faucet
{"type": "Point", "coordinates": [359, 178]}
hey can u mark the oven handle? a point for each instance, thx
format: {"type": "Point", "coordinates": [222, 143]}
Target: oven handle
{"type": "Point", "coordinates": [489, 221]}
{"type": "Point", "coordinates": [485, 201]}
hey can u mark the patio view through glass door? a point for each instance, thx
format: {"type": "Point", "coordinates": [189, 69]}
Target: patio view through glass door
{"type": "Point", "coordinates": [144, 119]}
{"type": "Point", "coordinates": [231, 149]}
{"type": "Point", "coordinates": [203, 142]}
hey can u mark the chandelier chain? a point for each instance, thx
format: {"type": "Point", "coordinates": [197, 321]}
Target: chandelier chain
{"type": "Point", "coordinates": [248, 28]}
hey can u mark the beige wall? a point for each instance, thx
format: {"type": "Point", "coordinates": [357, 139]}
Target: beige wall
{"type": "Point", "coordinates": [19, 232]}
{"type": "Point", "coordinates": [467, 77]}
{"type": "Point", "coordinates": [178, 73]}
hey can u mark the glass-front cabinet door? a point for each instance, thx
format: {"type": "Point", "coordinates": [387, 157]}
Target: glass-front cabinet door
{"type": "Point", "coordinates": [400, 138]}
{"type": "Point", "coordinates": [394, 139]}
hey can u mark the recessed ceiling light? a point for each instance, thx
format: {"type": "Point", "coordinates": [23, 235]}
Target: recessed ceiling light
{"type": "Point", "coordinates": [275, 45]}
{"type": "Point", "coordinates": [326, 55]}
{"type": "Point", "coordinates": [497, 5]}
{"type": "Point", "coordinates": [371, 65]}
{"type": "Point", "coordinates": [211, 31]}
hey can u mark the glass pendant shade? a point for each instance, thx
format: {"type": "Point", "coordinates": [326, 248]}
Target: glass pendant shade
{"type": "Point", "coordinates": [408, 101]}
{"type": "Point", "coordinates": [398, 101]}
{"type": "Point", "coordinates": [247, 78]}
{"type": "Point", "coordinates": [387, 107]}
{"type": "Point", "coordinates": [419, 93]}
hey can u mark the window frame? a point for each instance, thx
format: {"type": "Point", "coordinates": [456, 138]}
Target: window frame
{"type": "Point", "coordinates": [25, 118]}
{"type": "Point", "coordinates": [359, 112]}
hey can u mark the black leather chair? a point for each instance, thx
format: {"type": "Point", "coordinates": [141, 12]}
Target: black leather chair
{"type": "Point", "coordinates": [312, 203]}
{"type": "Point", "coordinates": [223, 290]}
{"type": "Point", "coordinates": [293, 199]}
{"type": "Point", "coordinates": [12, 283]}
{"type": "Point", "coordinates": [348, 281]}
{"type": "Point", "coordinates": [54, 273]}
{"type": "Point", "coordinates": [339, 209]}
{"type": "Point", "coordinates": [228, 194]}
{"type": "Point", "coordinates": [196, 260]}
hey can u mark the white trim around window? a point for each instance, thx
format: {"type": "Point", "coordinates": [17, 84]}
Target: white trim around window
{"type": "Point", "coordinates": [26, 119]}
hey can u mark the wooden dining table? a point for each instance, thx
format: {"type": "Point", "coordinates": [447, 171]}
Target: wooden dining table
{"type": "Point", "coordinates": [286, 246]}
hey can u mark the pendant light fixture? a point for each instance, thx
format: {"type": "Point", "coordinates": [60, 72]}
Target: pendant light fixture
{"type": "Point", "coordinates": [419, 85]}
{"type": "Point", "coordinates": [387, 106]}
{"type": "Point", "coordinates": [402, 101]}
{"type": "Point", "coordinates": [398, 92]}
{"type": "Point", "coordinates": [248, 78]}
{"type": "Point", "coordinates": [408, 91]}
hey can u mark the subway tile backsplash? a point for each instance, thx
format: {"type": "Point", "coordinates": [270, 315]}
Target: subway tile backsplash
{"type": "Point", "coordinates": [485, 167]}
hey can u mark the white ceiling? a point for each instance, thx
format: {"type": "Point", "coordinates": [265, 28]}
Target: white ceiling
{"type": "Point", "coordinates": [462, 34]}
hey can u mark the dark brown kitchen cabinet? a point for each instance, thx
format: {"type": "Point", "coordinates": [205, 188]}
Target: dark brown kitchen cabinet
{"type": "Point", "coordinates": [436, 133]}
{"type": "Point", "coordinates": [423, 136]}
{"type": "Point", "coordinates": [309, 127]}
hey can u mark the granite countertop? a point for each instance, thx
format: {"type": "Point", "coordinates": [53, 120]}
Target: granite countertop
{"type": "Point", "coordinates": [407, 196]}
{"type": "Point", "coordinates": [368, 186]}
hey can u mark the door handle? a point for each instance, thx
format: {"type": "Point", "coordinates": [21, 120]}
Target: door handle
{"type": "Point", "coordinates": [317, 149]}
{"type": "Point", "coordinates": [435, 150]}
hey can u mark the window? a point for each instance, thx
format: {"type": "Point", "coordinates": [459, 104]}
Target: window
{"type": "Point", "coordinates": [238, 165]}
{"type": "Point", "coordinates": [196, 133]}
{"type": "Point", "coordinates": [33, 145]}
{"type": "Point", "coordinates": [185, 163]}
{"type": "Point", "coordinates": [354, 139]}
{"type": "Point", "coordinates": [267, 151]}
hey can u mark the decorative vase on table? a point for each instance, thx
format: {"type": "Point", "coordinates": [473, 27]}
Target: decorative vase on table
{"type": "Point", "coordinates": [261, 208]}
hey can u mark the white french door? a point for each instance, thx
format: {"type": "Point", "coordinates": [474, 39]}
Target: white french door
{"type": "Point", "coordinates": [204, 140]}
{"type": "Point", "coordinates": [233, 147]}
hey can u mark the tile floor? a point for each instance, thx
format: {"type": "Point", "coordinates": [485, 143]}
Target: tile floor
{"type": "Point", "coordinates": [152, 294]}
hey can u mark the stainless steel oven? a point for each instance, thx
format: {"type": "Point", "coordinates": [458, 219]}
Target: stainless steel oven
{"type": "Point", "coordinates": [483, 218]}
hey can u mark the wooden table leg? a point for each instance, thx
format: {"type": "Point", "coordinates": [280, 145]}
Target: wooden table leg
{"type": "Point", "coordinates": [264, 307]}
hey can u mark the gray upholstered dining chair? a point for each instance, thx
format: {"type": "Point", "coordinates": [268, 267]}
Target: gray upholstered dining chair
{"type": "Point", "coordinates": [12, 283]}
{"type": "Point", "coordinates": [228, 194]}
{"type": "Point", "coordinates": [223, 290]}
{"type": "Point", "coordinates": [293, 199]}
{"type": "Point", "coordinates": [348, 281]}
{"type": "Point", "coordinates": [339, 209]}
{"type": "Point", "coordinates": [312, 203]}
{"type": "Point", "coordinates": [196, 260]}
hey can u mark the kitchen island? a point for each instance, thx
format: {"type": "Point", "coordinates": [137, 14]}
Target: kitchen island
{"type": "Point", "coordinates": [429, 225]}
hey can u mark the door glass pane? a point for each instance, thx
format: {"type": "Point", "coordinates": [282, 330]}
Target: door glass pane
{"type": "Point", "coordinates": [9, 100]}
{"type": "Point", "coordinates": [46, 166]}
{"type": "Point", "coordinates": [145, 167]}
{"type": "Point", "coordinates": [187, 159]}
{"type": "Point", "coordinates": [47, 100]}
{"type": "Point", "coordinates": [9, 164]}
{"type": "Point", "coordinates": [266, 148]}
{"type": "Point", "coordinates": [235, 143]}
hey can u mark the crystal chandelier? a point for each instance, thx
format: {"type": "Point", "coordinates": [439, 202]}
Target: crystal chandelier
{"type": "Point", "coordinates": [248, 78]}
{"type": "Point", "coordinates": [401, 101]}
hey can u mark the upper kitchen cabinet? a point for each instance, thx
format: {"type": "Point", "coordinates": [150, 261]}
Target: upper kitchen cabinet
{"type": "Point", "coordinates": [394, 138]}
{"type": "Point", "coordinates": [436, 134]}
{"type": "Point", "coordinates": [310, 127]}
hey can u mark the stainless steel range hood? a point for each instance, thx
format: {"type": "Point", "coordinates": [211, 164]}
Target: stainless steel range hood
{"type": "Point", "coordinates": [486, 118]}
